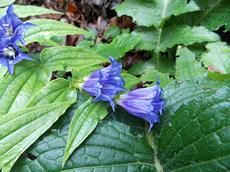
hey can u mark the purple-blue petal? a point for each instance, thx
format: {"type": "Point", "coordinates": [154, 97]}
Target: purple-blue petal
{"type": "Point", "coordinates": [145, 103]}
{"type": "Point", "coordinates": [106, 83]}
{"type": "Point", "coordinates": [12, 30]}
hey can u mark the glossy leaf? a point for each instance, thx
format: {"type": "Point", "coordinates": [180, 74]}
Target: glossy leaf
{"type": "Point", "coordinates": [17, 90]}
{"type": "Point", "coordinates": [70, 58]}
{"type": "Point", "coordinates": [51, 102]}
{"type": "Point", "coordinates": [20, 129]}
{"type": "Point", "coordinates": [58, 90]}
{"type": "Point", "coordinates": [110, 148]}
{"type": "Point", "coordinates": [182, 92]}
{"type": "Point", "coordinates": [197, 137]}
{"type": "Point", "coordinates": [46, 29]}
{"type": "Point", "coordinates": [153, 12]}
{"type": "Point", "coordinates": [187, 67]}
{"type": "Point", "coordinates": [28, 10]}
{"type": "Point", "coordinates": [84, 121]}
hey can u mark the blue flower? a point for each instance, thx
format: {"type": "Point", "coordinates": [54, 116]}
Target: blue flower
{"type": "Point", "coordinates": [12, 30]}
{"type": "Point", "coordinates": [11, 26]}
{"type": "Point", "coordinates": [10, 54]}
{"type": "Point", "coordinates": [145, 103]}
{"type": "Point", "coordinates": [106, 83]}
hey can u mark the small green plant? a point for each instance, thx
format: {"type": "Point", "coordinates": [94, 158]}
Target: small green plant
{"type": "Point", "coordinates": [79, 108]}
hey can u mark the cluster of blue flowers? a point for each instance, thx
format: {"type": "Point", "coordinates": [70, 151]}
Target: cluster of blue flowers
{"type": "Point", "coordinates": [106, 83]}
{"type": "Point", "coordinates": [12, 31]}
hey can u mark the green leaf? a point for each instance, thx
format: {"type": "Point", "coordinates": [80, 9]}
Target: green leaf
{"type": "Point", "coordinates": [173, 35]}
{"type": "Point", "coordinates": [187, 67]}
{"type": "Point", "coordinates": [179, 93]}
{"type": "Point", "coordinates": [119, 46]}
{"type": "Point", "coordinates": [112, 32]}
{"type": "Point", "coordinates": [17, 90]}
{"type": "Point", "coordinates": [141, 67]}
{"type": "Point", "coordinates": [148, 38]}
{"type": "Point", "coordinates": [4, 3]}
{"type": "Point", "coordinates": [58, 94]}
{"type": "Point", "coordinates": [58, 90]}
{"type": "Point", "coordinates": [3, 71]}
{"type": "Point", "coordinates": [218, 16]}
{"type": "Point", "coordinates": [114, 145]}
{"type": "Point", "coordinates": [196, 137]}
{"type": "Point", "coordinates": [70, 58]}
{"type": "Point", "coordinates": [154, 12]}
{"type": "Point", "coordinates": [28, 10]}
{"type": "Point", "coordinates": [130, 80]}
{"type": "Point", "coordinates": [84, 121]}
{"type": "Point", "coordinates": [45, 29]}
{"type": "Point", "coordinates": [182, 34]}
{"type": "Point", "coordinates": [20, 129]}
{"type": "Point", "coordinates": [144, 66]}
{"type": "Point", "coordinates": [153, 76]}
{"type": "Point", "coordinates": [218, 56]}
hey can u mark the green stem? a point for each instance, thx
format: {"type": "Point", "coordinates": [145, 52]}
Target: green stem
{"type": "Point", "coordinates": [150, 140]}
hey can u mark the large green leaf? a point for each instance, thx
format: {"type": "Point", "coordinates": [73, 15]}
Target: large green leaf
{"type": "Point", "coordinates": [58, 90]}
{"type": "Point", "coordinates": [216, 14]}
{"type": "Point", "coordinates": [20, 129]}
{"type": "Point", "coordinates": [173, 35]}
{"type": "Point", "coordinates": [187, 67]}
{"type": "Point", "coordinates": [114, 146]}
{"type": "Point", "coordinates": [17, 90]}
{"type": "Point", "coordinates": [70, 58]}
{"type": "Point", "coordinates": [180, 144]}
{"type": "Point", "coordinates": [84, 121]}
{"type": "Point", "coordinates": [181, 92]}
{"type": "Point", "coordinates": [29, 10]}
{"type": "Point", "coordinates": [4, 3]}
{"type": "Point", "coordinates": [46, 28]}
{"type": "Point", "coordinates": [51, 102]}
{"type": "Point", "coordinates": [217, 57]}
{"type": "Point", "coordinates": [182, 34]}
{"type": "Point", "coordinates": [153, 12]}
{"type": "Point", "coordinates": [197, 137]}
{"type": "Point", "coordinates": [119, 46]}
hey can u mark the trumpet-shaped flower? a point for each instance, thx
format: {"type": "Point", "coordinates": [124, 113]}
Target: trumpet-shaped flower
{"type": "Point", "coordinates": [106, 83]}
{"type": "Point", "coordinates": [145, 103]}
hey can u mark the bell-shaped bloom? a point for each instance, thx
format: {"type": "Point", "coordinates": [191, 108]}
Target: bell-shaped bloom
{"type": "Point", "coordinates": [10, 53]}
{"type": "Point", "coordinates": [106, 83]}
{"type": "Point", "coordinates": [11, 26]}
{"type": "Point", "coordinates": [145, 103]}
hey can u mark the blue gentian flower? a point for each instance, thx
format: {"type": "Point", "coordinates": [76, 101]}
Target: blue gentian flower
{"type": "Point", "coordinates": [145, 103]}
{"type": "Point", "coordinates": [12, 30]}
{"type": "Point", "coordinates": [106, 83]}
{"type": "Point", "coordinates": [11, 26]}
{"type": "Point", "coordinates": [10, 54]}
